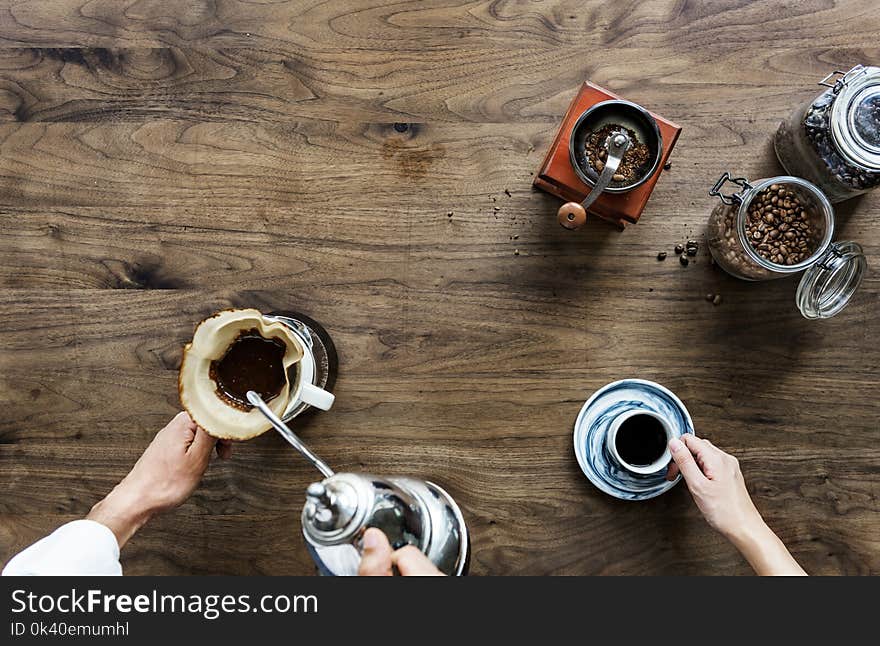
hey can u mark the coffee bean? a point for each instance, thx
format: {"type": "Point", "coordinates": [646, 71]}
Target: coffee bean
{"type": "Point", "coordinates": [683, 260]}
{"type": "Point", "coordinates": [716, 300]}
{"type": "Point", "coordinates": [709, 297]}
{"type": "Point", "coordinates": [636, 160]}
{"type": "Point", "coordinates": [691, 251]}
{"type": "Point", "coordinates": [771, 227]}
{"type": "Point", "coordinates": [661, 255]}
{"type": "Point", "coordinates": [678, 249]}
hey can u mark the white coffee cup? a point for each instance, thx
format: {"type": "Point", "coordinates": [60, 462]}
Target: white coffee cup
{"type": "Point", "coordinates": [302, 390]}
{"type": "Point", "coordinates": [660, 464]}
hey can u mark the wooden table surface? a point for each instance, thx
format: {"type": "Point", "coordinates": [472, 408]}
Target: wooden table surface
{"type": "Point", "coordinates": [160, 160]}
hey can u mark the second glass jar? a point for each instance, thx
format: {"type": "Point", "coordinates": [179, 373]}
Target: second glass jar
{"type": "Point", "coordinates": [834, 140]}
{"type": "Point", "coordinates": [789, 230]}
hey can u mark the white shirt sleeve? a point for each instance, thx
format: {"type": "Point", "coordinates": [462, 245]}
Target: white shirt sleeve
{"type": "Point", "coordinates": [82, 547]}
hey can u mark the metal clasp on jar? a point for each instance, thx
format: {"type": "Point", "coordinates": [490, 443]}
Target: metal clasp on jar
{"type": "Point", "coordinates": [732, 198]}
{"type": "Point", "coordinates": [845, 77]}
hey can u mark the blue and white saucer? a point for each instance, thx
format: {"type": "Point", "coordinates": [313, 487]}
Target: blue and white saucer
{"type": "Point", "coordinates": [592, 425]}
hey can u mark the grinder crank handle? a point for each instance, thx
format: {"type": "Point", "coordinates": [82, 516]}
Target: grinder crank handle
{"type": "Point", "coordinates": [572, 215]}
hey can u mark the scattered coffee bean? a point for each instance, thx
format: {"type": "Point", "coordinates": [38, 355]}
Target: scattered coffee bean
{"type": "Point", "coordinates": [709, 297]}
{"type": "Point", "coordinates": [667, 165]}
{"type": "Point", "coordinates": [516, 252]}
{"type": "Point", "coordinates": [516, 237]}
{"type": "Point", "coordinates": [507, 192]}
{"type": "Point", "coordinates": [691, 251]}
{"type": "Point", "coordinates": [716, 300]}
{"type": "Point", "coordinates": [449, 214]}
{"type": "Point", "coordinates": [683, 259]}
{"type": "Point", "coordinates": [678, 249]}
{"type": "Point", "coordinates": [661, 255]}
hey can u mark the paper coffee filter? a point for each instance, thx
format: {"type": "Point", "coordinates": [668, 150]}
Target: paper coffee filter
{"type": "Point", "coordinates": [198, 392]}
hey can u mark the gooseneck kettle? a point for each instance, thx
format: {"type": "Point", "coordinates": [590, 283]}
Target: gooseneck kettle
{"type": "Point", "coordinates": [340, 508]}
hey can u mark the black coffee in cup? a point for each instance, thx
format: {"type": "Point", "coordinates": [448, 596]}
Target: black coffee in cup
{"type": "Point", "coordinates": [640, 440]}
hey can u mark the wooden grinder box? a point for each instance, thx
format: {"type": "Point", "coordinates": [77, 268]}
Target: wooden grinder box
{"type": "Point", "coordinates": [557, 177]}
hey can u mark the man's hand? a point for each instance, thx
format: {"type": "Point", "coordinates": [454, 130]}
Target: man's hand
{"type": "Point", "coordinates": [378, 558]}
{"type": "Point", "coordinates": [164, 477]}
{"type": "Point", "coordinates": [719, 489]}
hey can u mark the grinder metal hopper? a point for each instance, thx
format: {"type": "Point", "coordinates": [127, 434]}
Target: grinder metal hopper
{"type": "Point", "coordinates": [630, 126]}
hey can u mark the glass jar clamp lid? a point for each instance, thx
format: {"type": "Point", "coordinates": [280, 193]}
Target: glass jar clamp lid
{"type": "Point", "coordinates": [834, 270]}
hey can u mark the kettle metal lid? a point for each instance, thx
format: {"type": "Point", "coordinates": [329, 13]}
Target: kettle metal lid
{"type": "Point", "coordinates": [336, 509]}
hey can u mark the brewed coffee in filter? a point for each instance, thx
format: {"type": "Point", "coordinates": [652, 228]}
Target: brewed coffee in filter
{"type": "Point", "coordinates": [232, 352]}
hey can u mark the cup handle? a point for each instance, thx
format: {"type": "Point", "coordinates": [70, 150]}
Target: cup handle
{"type": "Point", "coordinates": [317, 397]}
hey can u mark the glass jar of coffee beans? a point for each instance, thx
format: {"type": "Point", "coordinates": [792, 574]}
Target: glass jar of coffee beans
{"type": "Point", "coordinates": [834, 140]}
{"type": "Point", "coordinates": [778, 227]}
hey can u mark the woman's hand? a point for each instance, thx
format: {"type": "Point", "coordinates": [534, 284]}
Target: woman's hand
{"type": "Point", "coordinates": [715, 481]}
{"type": "Point", "coordinates": [378, 558]}
{"type": "Point", "coordinates": [164, 477]}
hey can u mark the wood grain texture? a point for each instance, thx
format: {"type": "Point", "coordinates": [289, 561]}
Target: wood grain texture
{"type": "Point", "coordinates": [161, 160]}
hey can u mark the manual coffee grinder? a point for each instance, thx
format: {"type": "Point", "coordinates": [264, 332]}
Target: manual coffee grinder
{"type": "Point", "coordinates": [342, 506]}
{"type": "Point", "coordinates": [598, 118]}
